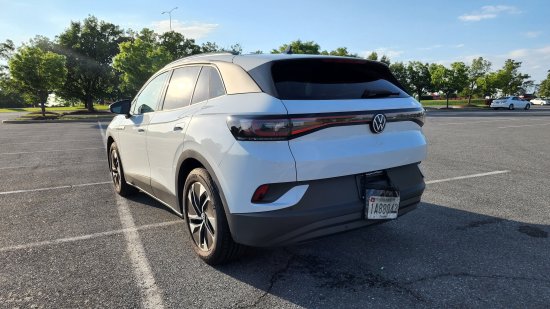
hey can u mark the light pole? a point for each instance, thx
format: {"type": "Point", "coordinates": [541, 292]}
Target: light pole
{"type": "Point", "coordinates": [170, 14]}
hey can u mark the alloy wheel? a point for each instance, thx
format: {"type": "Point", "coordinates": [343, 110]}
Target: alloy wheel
{"type": "Point", "coordinates": [201, 216]}
{"type": "Point", "coordinates": [115, 168]}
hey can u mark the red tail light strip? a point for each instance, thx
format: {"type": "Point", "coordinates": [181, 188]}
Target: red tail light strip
{"type": "Point", "coordinates": [261, 128]}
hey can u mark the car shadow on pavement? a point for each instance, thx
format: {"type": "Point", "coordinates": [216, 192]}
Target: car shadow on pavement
{"type": "Point", "coordinates": [434, 256]}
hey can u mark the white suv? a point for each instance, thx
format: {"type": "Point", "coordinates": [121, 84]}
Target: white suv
{"type": "Point", "coordinates": [268, 150]}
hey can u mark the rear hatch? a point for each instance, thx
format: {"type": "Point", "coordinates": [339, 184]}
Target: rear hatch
{"type": "Point", "coordinates": [332, 103]}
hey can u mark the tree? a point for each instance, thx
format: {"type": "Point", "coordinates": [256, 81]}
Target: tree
{"type": "Point", "coordinates": [487, 84]}
{"type": "Point", "coordinates": [340, 51]}
{"type": "Point", "coordinates": [478, 69]}
{"type": "Point", "coordinates": [449, 81]}
{"type": "Point", "coordinates": [38, 72]}
{"type": "Point", "coordinates": [89, 47]}
{"type": "Point", "coordinates": [177, 45]}
{"type": "Point", "coordinates": [137, 61]}
{"type": "Point", "coordinates": [373, 56]}
{"type": "Point", "coordinates": [509, 79]}
{"type": "Point", "coordinates": [385, 60]}
{"type": "Point", "coordinates": [544, 89]}
{"type": "Point", "coordinates": [418, 77]}
{"type": "Point", "coordinates": [399, 70]}
{"type": "Point", "coordinates": [6, 50]}
{"type": "Point", "coordinates": [299, 47]}
{"type": "Point", "coordinates": [210, 47]}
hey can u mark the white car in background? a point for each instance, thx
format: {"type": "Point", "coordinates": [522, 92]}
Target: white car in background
{"type": "Point", "coordinates": [539, 101]}
{"type": "Point", "coordinates": [510, 103]}
{"type": "Point", "coordinates": [270, 150]}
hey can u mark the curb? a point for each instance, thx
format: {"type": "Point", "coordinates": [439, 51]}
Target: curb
{"type": "Point", "coordinates": [56, 121]}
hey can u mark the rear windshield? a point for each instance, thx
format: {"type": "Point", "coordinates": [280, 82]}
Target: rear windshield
{"type": "Point", "coordinates": [503, 98]}
{"type": "Point", "coordinates": [333, 79]}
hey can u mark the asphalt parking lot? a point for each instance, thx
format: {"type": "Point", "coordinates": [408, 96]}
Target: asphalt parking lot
{"type": "Point", "coordinates": [479, 239]}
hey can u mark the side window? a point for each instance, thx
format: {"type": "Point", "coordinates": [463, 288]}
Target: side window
{"type": "Point", "coordinates": [148, 99]}
{"type": "Point", "coordinates": [201, 91]}
{"type": "Point", "coordinates": [209, 85]}
{"type": "Point", "coordinates": [181, 87]}
{"type": "Point", "coordinates": [216, 84]}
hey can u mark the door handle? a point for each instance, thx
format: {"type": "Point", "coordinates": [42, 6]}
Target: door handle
{"type": "Point", "coordinates": [140, 130]}
{"type": "Point", "coordinates": [179, 126]}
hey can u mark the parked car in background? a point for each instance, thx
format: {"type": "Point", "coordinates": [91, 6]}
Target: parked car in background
{"type": "Point", "coordinates": [510, 103]}
{"type": "Point", "coordinates": [539, 101]}
{"type": "Point", "coordinates": [270, 150]}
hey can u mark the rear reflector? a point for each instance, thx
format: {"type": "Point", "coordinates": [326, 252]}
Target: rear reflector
{"type": "Point", "coordinates": [260, 193]}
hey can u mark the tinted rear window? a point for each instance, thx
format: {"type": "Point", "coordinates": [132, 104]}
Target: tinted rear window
{"type": "Point", "coordinates": [333, 79]}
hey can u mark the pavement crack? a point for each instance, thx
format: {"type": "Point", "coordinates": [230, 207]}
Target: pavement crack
{"type": "Point", "coordinates": [275, 276]}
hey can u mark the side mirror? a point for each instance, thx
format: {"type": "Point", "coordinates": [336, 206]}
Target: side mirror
{"type": "Point", "coordinates": [121, 107]}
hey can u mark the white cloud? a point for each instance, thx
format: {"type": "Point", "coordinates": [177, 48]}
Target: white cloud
{"type": "Point", "coordinates": [489, 12]}
{"type": "Point", "coordinates": [389, 52]}
{"type": "Point", "coordinates": [459, 45]}
{"type": "Point", "coordinates": [195, 30]}
{"type": "Point", "coordinates": [532, 34]}
{"type": "Point", "coordinates": [518, 53]}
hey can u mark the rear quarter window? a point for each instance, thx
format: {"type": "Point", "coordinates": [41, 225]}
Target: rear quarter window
{"type": "Point", "coordinates": [333, 79]}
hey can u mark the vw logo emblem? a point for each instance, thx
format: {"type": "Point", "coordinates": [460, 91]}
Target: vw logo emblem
{"type": "Point", "coordinates": [378, 123]}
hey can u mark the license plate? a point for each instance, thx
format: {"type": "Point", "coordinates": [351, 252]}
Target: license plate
{"type": "Point", "coordinates": [382, 207]}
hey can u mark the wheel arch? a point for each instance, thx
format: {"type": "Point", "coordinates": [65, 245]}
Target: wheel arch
{"type": "Point", "coordinates": [188, 161]}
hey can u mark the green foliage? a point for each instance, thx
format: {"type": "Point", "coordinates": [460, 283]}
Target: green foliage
{"type": "Point", "coordinates": [544, 89]}
{"type": "Point", "coordinates": [138, 60]}
{"type": "Point", "coordinates": [449, 80]}
{"type": "Point", "coordinates": [10, 94]}
{"type": "Point", "coordinates": [89, 46]}
{"type": "Point", "coordinates": [38, 72]}
{"type": "Point", "coordinates": [385, 59]}
{"type": "Point", "coordinates": [299, 47]}
{"type": "Point", "coordinates": [340, 51]}
{"type": "Point", "coordinates": [418, 77]}
{"type": "Point", "coordinates": [373, 56]}
{"type": "Point", "coordinates": [479, 68]}
{"type": "Point", "coordinates": [210, 47]}
{"type": "Point", "coordinates": [177, 45]}
{"type": "Point", "coordinates": [399, 70]}
{"type": "Point", "coordinates": [508, 79]}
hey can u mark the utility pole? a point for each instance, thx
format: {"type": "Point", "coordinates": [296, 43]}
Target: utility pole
{"type": "Point", "coordinates": [170, 15]}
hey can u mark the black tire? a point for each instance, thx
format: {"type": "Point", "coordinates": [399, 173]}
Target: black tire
{"type": "Point", "coordinates": [117, 173]}
{"type": "Point", "coordinates": [206, 221]}
{"type": "Point", "coordinates": [528, 106]}
{"type": "Point", "coordinates": [511, 107]}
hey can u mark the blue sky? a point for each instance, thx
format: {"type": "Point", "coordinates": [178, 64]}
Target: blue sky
{"type": "Point", "coordinates": [430, 30]}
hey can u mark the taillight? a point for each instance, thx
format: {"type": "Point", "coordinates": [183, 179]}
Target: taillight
{"type": "Point", "coordinates": [279, 128]}
{"type": "Point", "coordinates": [273, 129]}
{"type": "Point", "coordinates": [259, 129]}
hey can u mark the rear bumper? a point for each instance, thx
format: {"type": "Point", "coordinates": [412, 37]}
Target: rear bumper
{"type": "Point", "coordinates": [329, 206]}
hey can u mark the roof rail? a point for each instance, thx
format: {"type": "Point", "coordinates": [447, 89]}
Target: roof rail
{"type": "Point", "coordinates": [223, 53]}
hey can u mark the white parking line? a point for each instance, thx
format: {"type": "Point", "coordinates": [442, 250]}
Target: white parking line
{"type": "Point", "coordinates": [525, 125]}
{"type": "Point", "coordinates": [466, 177]}
{"type": "Point", "coordinates": [481, 121]}
{"type": "Point", "coordinates": [57, 188]}
{"type": "Point", "coordinates": [84, 237]}
{"type": "Point", "coordinates": [49, 142]}
{"type": "Point", "coordinates": [46, 165]}
{"type": "Point", "coordinates": [42, 151]}
{"type": "Point", "coordinates": [151, 295]}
